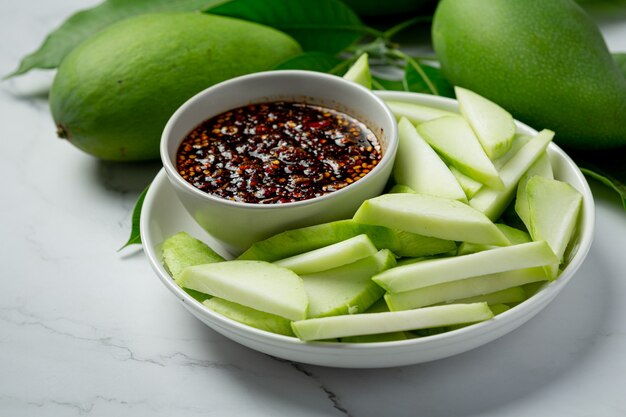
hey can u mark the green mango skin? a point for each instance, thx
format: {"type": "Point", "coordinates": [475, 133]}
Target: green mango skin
{"type": "Point", "coordinates": [545, 61]}
{"type": "Point", "coordinates": [114, 93]}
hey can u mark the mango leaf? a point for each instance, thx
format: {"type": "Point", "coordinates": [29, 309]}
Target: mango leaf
{"type": "Point", "coordinates": [404, 25]}
{"type": "Point", "coordinates": [318, 25]}
{"type": "Point", "coordinates": [85, 23]}
{"type": "Point", "coordinates": [135, 232]}
{"type": "Point", "coordinates": [379, 83]}
{"type": "Point", "coordinates": [312, 61]}
{"type": "Point", "coordinates": [343, 67]}
{"type": "Point", "coordinates": [423, 78]}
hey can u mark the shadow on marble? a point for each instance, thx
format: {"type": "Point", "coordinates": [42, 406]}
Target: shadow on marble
{"type": "Point", "coordinates": [124, 177]}
{"type": "Point", "coordinates": [34, 85]}
{"type": "Point", "coordinates": [131, 252]}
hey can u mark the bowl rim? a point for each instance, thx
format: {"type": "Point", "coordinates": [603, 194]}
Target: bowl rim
{"type": "Point", "coordinates": [521, 310]}
{"type": "Point", "coordinates": [387, 158]}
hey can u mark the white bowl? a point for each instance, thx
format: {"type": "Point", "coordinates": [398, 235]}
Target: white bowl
{"type": "Point", "coordinates": [163, 215]}
{"type": "Point", "coordinates": [237, 225]}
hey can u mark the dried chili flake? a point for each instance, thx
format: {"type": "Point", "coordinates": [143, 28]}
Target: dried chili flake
{"type": "Point", "coordinates": [277, 152]}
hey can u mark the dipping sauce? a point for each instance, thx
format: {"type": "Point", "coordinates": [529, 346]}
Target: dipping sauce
{"type": "Point", "coordinates": [277, 152]}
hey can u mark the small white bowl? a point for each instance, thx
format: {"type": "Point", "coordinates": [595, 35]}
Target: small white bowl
{"type": "Point", "coordinates": [163, 215]}
{"type": "Point", "coordinates": [237, 225]}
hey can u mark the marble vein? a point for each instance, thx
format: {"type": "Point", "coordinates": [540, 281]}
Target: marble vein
{"type": "Point", "coordinates": [121, 351]}
{"type": "Point", "coordinates": [334, 398]}
{"type": "Point", "coordinates": [85, 407]}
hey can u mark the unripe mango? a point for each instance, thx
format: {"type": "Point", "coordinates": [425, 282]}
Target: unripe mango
{"type": "Point", "coordinates": [545, 61]}
{"type": "Point", "coordinates": [114, 93]}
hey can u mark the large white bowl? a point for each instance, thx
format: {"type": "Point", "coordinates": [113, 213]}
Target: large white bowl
{"type": "Point", "coordinates": [163, 215]}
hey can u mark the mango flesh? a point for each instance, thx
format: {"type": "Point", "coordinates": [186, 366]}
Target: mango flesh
{"type": "Point", "coordinates": [114, 93]}
{"type": "Point", "coordinates": [544, 61]}
{"type": "Point", "coordinates": [181, 250]}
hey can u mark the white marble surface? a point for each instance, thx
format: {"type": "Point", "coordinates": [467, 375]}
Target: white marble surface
{"type": "Point", "coordinates": [85, 330]}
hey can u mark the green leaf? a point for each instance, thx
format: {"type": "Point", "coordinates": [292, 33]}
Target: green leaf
{"type": "Point", "coordinates": [394, 30]}
{"type": "Point", "coordinates": [197, 295]}
{"type": "Point", "coordinates": [312, 61]}
{"type": "Point", "coordinates": [422, 78]}
{"type": "Point", "coordinates": [379, 83]}
{"type": "Point", "coordinates": [318, 25]}
{"type": "Point", "coordinates": [85, 23]}
{"type": "Point", "coordinates": [608, 167]}
{"type": "Point", "coordinates": [135, 233]}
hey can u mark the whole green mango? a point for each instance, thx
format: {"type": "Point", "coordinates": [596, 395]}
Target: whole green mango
{"type": "Point", "coordinates": [114, 93]}
{"type": "Point", "coordinates": [543, 60]}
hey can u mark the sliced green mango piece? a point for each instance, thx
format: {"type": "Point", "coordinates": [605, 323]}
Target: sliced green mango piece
{"type": "Point", "coordinates": [359, 72]}
{"type": "Point", "coordinates": [419, 167]}
{"type": "Point", "coordinates": [256, 284]}
{"type": "Point", "coordinates": [437, 271]}
{"type": "Point", "coordinates": [181, 250]}
{"type": "Point", "coordinates": [493, 202]}
{"type": "Point", "coordinates": [399, 188]}
{"type": "Point", "coordinates": [432, 331]}
{"type": "Point", "coordinates": [452, 291]}
{"type": "Point", "coordinates": [414, 112]}
{"type": "Point", "coordinates": [413, 245]}
{"type": "Point", "coordinates": [505, 296]}
{"type": "Point", "coordinates": [532, 288]}
{"type": "Point", "coordinates": [347, 289]}
{"type": "Point", "coordinates": [519, 141]}
{"type": "Point", "coordinates": [379, 306]}
{"type": "Point", "coordinates": [408, 261]}
{"type": "Point", "coordinates": [543, 168]}
{"type": "Point", "coordinates": [249, 316]}
{"type": "Point", "coordinates": [395, 321]}
{"type": "Point", "coordinates": [197, 295]}
{"type": "Point", "coordinates": [453, 138]}
{"type": "Point", "coordinates": [494, 126]}
{"type": "Point", "coordinates": [329, 257]}
{"type": "Point", "coordinates": [498, 309]}
{"type": "Point", "coordinates": [554, 207]}
{"type": "Point", "coordinates": [469, 185]}
{"type": "Point", "coordinates": [376, 338]}
{"type": "Point", "coordinates": [297, 241]}
{"type": "Point", "coordinates": [515, 236]}
{"type": "Point", "coordinates": [495, 309]}
{"type": "Point", "coordinates": [430, 216]}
